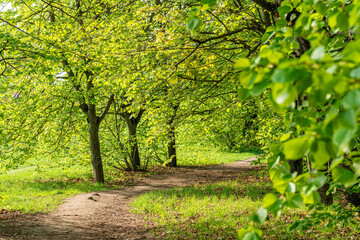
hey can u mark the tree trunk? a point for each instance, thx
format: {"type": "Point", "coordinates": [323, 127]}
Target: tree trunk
{"type": "Point", "coordinates": [327, 200]}
{"type": "Point", "coordinates": [171, 137]}
{"type": "Point", "coordinates": [96, 160]}
{"type": "Point", "coordinates": [171, 148]}
{"type": "Point", "coordinates": [353, 198]}
{"type": "Point", "coordinates": [132, 123]}
{"type": "Point", "coordinates": [266, 17]}
{"type": "Point", "coordinates": [134, 148]}
{"type": "Point", "coordinates": [296, 166]}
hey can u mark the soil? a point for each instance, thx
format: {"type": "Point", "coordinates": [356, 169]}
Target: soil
{"type": "Point", "coordinates": [106, 214]}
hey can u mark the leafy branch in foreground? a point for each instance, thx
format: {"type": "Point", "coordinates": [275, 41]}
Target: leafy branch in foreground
{"type": "Point", "coordinates": [310, 61]}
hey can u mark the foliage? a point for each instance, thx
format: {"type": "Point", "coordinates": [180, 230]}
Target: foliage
{"type": "Point", "coordinates": [62, 59]}
{"type": "Point", "coordinates": [238, 126]}
{"type": "Point", "coordinates": [309, 60]}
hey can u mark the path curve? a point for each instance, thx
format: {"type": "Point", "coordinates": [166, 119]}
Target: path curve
{"type": "Point", "coordinates": [105, 214]}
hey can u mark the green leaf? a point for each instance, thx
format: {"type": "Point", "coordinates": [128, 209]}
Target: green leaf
{"type": "Point", "coordinates": [243, 93]}
{"type": "Point", "coordinates": [291, 187]}
{"type": "Point", "coordinates": [336, 162]}
{"type": "Point", "coordinates": [283, 10]}
{"type": "Point", "coordinates": [283, 94]}
{"type": "Point", "coordinates": [321, 8]}
{"type": "Point", "coordinates": [302, 121]}
{"type": "Point", "coordinates": [285, 137]}
{"type": "Point", "coordinates": [295, 202]}
{"type": "Point", "coordinates": [247, 78]}
{"type": "Point", "coordinates": [318, 180]}
{"type": "Point", "coordinates": [347, 119]}
{"type": "Point", "coordinates": [270, 32]}
{"type": "Point", "coordinates": [356, 166]}
{"type": "Point", "coordinates": [295, 149]}
{"type": "Point", "coordinates": [320, 154]}
{"type": "Point", "coordinates": [249, 234]}
{"type": "Point", "coordinates": [355, 73]}
{"type": "Point", "coordinates": [281, 75]}
{"type": "Point", "coordinates": [342, 21]}
{"type": "Point", "coordinates": [280, 185]}
{"type": "Point", "coordinates": [343, 176]}
{"type": "Point", "coordinates": [194, 23]}
{"type": "Point", "coordinates": [352, 99]}
{"type": "Point", "coordinates": [352, 51]}
{"type": "Point", "coordinates": [342, 138]}
{"type": "Point", "coordinates": [271, 55]}
{"type": "Point", "coordinates": [318, 53]}
{"type": "Point", "coordinates": [269, 201]}
{"type": "Point", "coordinates": [242, 63]}
{"type": "Point", "coordinates": [312, 198]}
{"type": "Point", "coordinates": [261, 215]}
{"type": "Point", "coordinates": [289, 75]}
{"type": "Point", "coordinates": [258, 88]}
{"type": "Point", "coordinates": [281, 23]}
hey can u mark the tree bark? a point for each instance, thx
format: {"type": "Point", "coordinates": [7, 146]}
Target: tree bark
{"type": "Point", "coordinates": [267, 20]}
{"type": "Point", "coordinates": [171, 148]}
{"type": "Point", "coordinates": [327, 200]}
{"type": "Point", "coordinates": [96, 160]}
{"type": "Point", "coordinates": [95, 151]}
{"type": "Point", "coordinates": [134, 148]}
{"type": "Point", "coordinates": [132, 123]}
{"type": "Point", "coordinates": [296, 166]}
{"type": "Point", "coordinates": [171, 139]}
{"type": "Point", "coordinates": [353, 198]}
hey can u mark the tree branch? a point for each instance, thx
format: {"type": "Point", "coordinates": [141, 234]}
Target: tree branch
{"type": "Point", "coordinates": [107, 108]}
{"type": "Point", "coordinates": [222, 35]}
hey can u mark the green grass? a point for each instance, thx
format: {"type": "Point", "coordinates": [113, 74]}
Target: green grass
{"type": "Point", "coordinates": [212, 211]}
{"type": "Point", "coordinates": [201, 156]}
{"type": "Point", "coordinates": [39, 186]}
{"type": "Point", "coordinates": [217, 211]}
{"type": "Point", "coordinates": [28, 190]}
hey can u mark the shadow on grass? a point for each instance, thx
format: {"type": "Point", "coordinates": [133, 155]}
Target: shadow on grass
{"type": "Point", "coordinates": [47, 185]}
{"type": "Point", "coordinates": [220, 190]}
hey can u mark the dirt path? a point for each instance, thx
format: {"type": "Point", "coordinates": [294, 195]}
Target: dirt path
{"type": "Point", "coordinates": [106, 215]}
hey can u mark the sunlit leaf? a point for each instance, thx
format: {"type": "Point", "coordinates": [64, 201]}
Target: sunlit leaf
{"type": "Point", "coordinates": [295, 149]}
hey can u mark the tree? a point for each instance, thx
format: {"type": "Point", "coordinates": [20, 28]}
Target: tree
{"type": "Point", "coordinates": [66, 62]}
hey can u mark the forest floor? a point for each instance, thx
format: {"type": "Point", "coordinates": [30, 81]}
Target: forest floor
{"type": "Point", "coordinates": [106, 214]}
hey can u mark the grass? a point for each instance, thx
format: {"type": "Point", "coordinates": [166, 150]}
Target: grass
{"type": "Point", "coordinates": [216, 211]}
{"type": "Point", "coordinates": [196, 155]}
{"type": "Point", "coordinates": [28, 190]}
{"type": "Point", "coordinates": [212, 211]}
{"type": "Point", "coordinates": [40, 186]}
